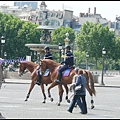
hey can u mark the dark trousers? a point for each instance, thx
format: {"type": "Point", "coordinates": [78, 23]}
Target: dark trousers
{"type": "Point", "coordinates": [81, 103]}
{"type": "Point", "coordinates": [62, 69]}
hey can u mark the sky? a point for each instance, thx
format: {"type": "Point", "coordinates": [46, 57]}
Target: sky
{"type": "Point", "coordinates": [107, 9]}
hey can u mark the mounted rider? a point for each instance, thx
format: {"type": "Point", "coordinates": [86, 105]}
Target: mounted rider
{"type": "Point", "coordinates": [68, 62]}
{"type": "Point", "coordinates": [47, 55]}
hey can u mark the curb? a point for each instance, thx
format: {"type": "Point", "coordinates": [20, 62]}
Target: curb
{"type": "Point", "coordinates": [24, 82]}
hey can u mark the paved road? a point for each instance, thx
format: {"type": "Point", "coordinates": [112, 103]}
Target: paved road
{"type": "Point", "coordinates": [109, 81]}
{"type": "Point", "coordinates": [12, 104]}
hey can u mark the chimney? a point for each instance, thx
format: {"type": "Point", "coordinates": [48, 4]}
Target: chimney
{"type": "Point", "coordinates": [81, 15]}
{"type": "Point", "coordinates": [94, 10]}
{"type": "Point", "coordinates": [88, 10]}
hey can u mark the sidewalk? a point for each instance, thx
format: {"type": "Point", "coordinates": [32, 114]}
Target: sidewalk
{"type": "Point", "coordinates": [109, 81]}
{"type": "Point", "coordinates": [17, 81]}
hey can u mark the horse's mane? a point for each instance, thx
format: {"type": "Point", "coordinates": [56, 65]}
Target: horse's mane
{"type": "Point", "coordinates": [51, 62]}
{"type": "Point", "coordinates": [29, 63]}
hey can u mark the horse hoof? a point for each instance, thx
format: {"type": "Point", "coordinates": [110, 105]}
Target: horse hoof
{"type": "Point", "coordinates": [43, 102]}
{"type": "Point", "coordinates": [68, 101]}
{"type": "Point", "coordinates": [51, 99]}
{"type": "Point", "coordinates": [57, 81]}
{"type": "Point", "coordinates": [58, 104]}
{"type": "Point", "coordinates": [25, 99]}
{"type": "Point", "coordinates": [66, 97]}
{"type": "Point", "coordinates": [92, 107]}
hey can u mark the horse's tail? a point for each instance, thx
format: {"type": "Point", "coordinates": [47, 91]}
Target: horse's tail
{"type": "Point", "coordinates": [92, 83]}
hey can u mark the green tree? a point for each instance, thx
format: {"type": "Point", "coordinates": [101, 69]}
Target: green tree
{"type": "Point", "coordinates": [93, 37]}
{"type": "Point", "coordinates": [58, 35]}
{"type": "Point", "coordinates": [17, 33]}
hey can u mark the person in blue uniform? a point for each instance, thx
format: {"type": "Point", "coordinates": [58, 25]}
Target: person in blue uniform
{"type": "Point", "coordinates": [68, 62]}
{"type": "Point", "coordinates": [47, 55]}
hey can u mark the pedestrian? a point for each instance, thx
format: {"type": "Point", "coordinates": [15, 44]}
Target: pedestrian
{"type": "Point", "coordinates": [2, 67]}
{"type": "Point", "coordinates": [47, 55]}
{"type": "Point", "coordinates": [73, 82]}
{"type": "Point", "coordinates": [81, 80]}
{"type": "Point", "coordinates": [69, 62]}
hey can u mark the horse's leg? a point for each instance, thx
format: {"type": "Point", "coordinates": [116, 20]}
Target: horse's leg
{"type": "Point", "coordinates": [51, 86]}
{"type": "Point", "coordinates": [66, 88]}
{"type": "Point", "coordinates": [30, 89]}
{"type": "Point", "coordinates": [60, 88]}
{"type": "Point", "coordinates": [43, 91]}
{"type": "Point", "coordinates": [91, 94]}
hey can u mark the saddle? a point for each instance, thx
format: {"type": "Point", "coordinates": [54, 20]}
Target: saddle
{"type": "Point", "coordinates": [46, 73]}
{"type": "Point", "coordinates": [67, 71]}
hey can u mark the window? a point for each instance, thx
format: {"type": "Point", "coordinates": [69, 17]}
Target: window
{"type": "Point", "coordinates": [40, 23]}
{"type": "Point", "coordinates": [41, 15]}
{"type": "Point", "coordinates": [54, 23]}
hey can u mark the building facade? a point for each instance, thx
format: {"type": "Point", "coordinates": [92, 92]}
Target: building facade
{"type": "Point", "coordinates": [57, 18]}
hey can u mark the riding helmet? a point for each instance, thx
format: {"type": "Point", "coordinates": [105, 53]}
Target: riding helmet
{"type": "Point", "coordinates": [46, 48]}
{"type": "Point", "coordinates": [68, 47]}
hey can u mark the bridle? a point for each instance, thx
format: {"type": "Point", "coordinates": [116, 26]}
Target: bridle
{"type": "Point", "coordinates": [21, 72]}
{"type": "Point", "coordinates": [41, 69]}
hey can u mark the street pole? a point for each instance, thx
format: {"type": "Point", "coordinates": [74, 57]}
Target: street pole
{"type": "Point", "coordinates": [2, 49]}
{"type": "Point", "coordinates": [2, 46]}
{"type": "Point", "coordinates": [87, 55]}
{"type": "Point", "coordinates": [60, 48]}
{"type": "Point", "coordinates": [103, 56]}
{"type": "Point", "coordinates": [67, 40]}
{"type": "Point", "coordinates": [102, 83]}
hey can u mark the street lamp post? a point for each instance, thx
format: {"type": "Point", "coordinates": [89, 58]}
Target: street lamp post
{"type": "Point", "coordinates": [103, 56]}
{"type": "Point", "coordinates": [60, 48]}
{"type": "Point", "coordinates": [31, 55]}
{"type": "Point", "coordinates": [2, 46]}
{"type": "Point", "coordinates": [34, 55]}
{"type": "Point", "coordinates": [5, 55]}
{"type": "Point", "coordinates": [67, 40]}
{"type": "Point", "coordinates": [87, 56]}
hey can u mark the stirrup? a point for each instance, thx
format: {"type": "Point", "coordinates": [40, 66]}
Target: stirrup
{"type": "Point", "coordinates": [57, 81]}
{"type": "Point", "coordinates": [38, 83]}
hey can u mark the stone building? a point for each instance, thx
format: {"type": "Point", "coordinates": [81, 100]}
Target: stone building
{"type": "Point", "coordinates": [115, 26]}
{"type": "Point", "coordinates": [58, 18]}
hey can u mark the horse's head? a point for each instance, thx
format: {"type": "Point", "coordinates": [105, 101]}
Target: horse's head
{"type": "Point", "coordinates": [43, 66]}
{"type": "Point", "coordinates": [21, 69]}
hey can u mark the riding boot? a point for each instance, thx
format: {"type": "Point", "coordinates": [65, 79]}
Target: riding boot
{"type": "Point", "coordinates": [39, 80]}
{"type": "Point", "coordinates": [59, 79]}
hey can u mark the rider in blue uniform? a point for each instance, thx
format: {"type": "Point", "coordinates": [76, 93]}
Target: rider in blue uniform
{"type": "Point", "coordinates": [68, 62]}
{"type": "Point", "coordinates": [47, 55]}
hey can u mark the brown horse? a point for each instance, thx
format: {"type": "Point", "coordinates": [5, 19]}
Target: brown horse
{"type": "Point", "coordinates": [54, 66]}
{"type": "Point", "coordinates": [32, 67]}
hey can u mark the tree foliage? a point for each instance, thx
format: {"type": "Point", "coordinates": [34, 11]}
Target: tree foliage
{"type": "Point", "coordinates": [92, 38]}
{"type": "Point", "coordinates": [17, 33]}
{"type": "Point", "coordinates": [58, 35]}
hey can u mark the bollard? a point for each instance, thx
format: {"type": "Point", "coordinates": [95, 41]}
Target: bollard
{"type": "Point", "coordinates": [96, 78]}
